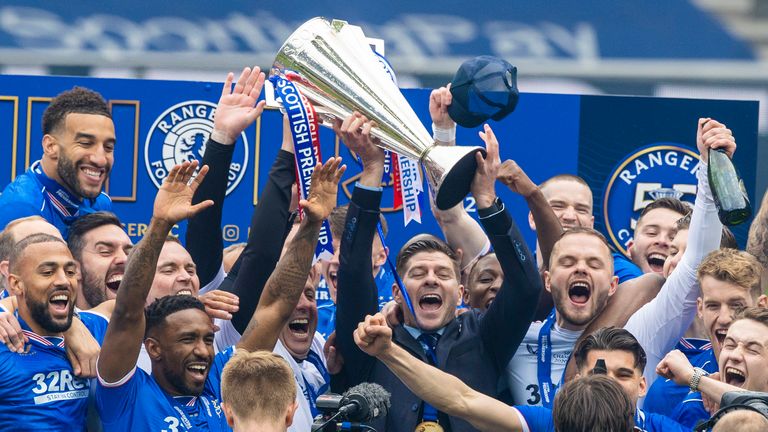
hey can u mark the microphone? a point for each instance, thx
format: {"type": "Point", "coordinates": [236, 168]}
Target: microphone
{"type": "Point", "coordinates": [364, 402]}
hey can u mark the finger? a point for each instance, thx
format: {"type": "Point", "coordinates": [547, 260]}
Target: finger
{"type": "Point", "coordinates": [713, 132]}
{"type": "Point", "coordinates": [349, 119]}
{"type": "Point", "coordinates": [258, 86]}
{"type": "Point", "coordinates": [241, 81]}
{"type": "Point", "coordinates": [480, 161]}
{"type": "Point", "coordinates": [251, 80]}
{"type": "Point", "coordinates": [339, 174]}
{"type": "Point", "coordinates": [197, 208]}
{"type": "Point", "coordinates": [227, 88]}
{"type": "Point", "coordinates": [491, 144]}
{"type": "Point", "coordinates": [231, 297]}
{"type": "Point", "coordinates": [355, 126]}
{"type": "Point", "coordinates": [447, 97]}
{"type": "Point", "coordinates": [221, 305]}
{"type": "Point", "coordinates": [337, 123]}
{"type": "Point", "coordinates": [199, 178]}
{"type": "Point", "coordinates": [186, 174]}
{"type": "Point", "coordinates": [217, 313]}
{"type": "Point", "coordinates": [256, 112]}
{"type": "Point", "coordinates": [171, 177]}
{"type": "Point", "coordinates": [434, 98]}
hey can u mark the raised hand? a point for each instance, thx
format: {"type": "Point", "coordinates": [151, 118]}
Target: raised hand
{"type": "Point", "coordinates": [515, 178]}
{"type": "Point", "coordinates": [333, 358]}
{"type": "Point", "coordinates": [220, 304]}
{"type": "Point", "coordinates": [322, 192]}
{"type": "Point", "coordinates": [237, 108]}
{"type": "Point", "coordinates": [10, 333]}
{"type": "Point", "coordinates": [173, 202]}
{"type": "Point", "coordinates": [713, 134]}
{"type": "Point", "coordinates": [439, 101]}
{"type": "Point", "coordinates": [675, 366]}
{"type": "Point", "coordinates": [373, 335]}
{"type": "Point", "coordinates": [355, 132]}
{"type": "Point", "coordinates": [483, 185]}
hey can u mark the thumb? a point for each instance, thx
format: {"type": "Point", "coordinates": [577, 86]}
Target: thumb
{"type": "Point", "coordinates": [197, 208]}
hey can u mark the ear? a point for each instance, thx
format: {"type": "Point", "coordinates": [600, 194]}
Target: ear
{"type": "Point", "coordinates": [700, 307]}
{"type": "Point", "coordinates": [643, 386]}
{"type": "Point", "coordinates": [531, 223]}
{"type": "Point", "coordinates": [762, 301]}
{"type": "Point", "coordinates": [630, 248]}
{"type": "Point", "coordinates": [614, 286]}
{"type": "Point", "coordinates": [290, 412]}
{"type": "Point", "coordinates": [592, 221]}
{"type": "Point", "coordinates": [465, 296]}
{"type": "Point", "coordinates": [153, 348]}
{"type": "Point", "coordinates": [50, 147]}
{"type": "Point", "coordinates": [462, 293]}
{"type": "Point", "coordinates": [381, 257]}
{"type": "Point", "coordinates": [4, 268]}
{"type": "Point", "coordinates": [547, 281]}
{"type": "Point", "coordinates": [228, 414]}
{"type": "Point", "coordinates": [396, 294]}
{"type": "Point", "coordinates": [15, 285]}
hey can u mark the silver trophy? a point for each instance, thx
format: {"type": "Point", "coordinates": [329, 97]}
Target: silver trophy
{"type": "Point", "coordinates": [334, 67]}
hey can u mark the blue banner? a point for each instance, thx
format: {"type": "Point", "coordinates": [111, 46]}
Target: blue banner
{"type": "Point", "coordinates": [596, 137]}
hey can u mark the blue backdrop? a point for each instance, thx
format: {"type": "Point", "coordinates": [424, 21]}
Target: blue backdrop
{"type": "Point", "coordinates": [548, 134]}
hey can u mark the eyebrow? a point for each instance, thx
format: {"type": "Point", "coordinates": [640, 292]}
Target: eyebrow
{"type": "Point", "coordinates": [92, 137]}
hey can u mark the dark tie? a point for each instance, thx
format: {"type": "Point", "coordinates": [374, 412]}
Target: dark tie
{"type": "Point", "coordinates": [429, 342]}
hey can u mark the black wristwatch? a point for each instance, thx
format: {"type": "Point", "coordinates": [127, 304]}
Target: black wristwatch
{"type": "Point", "coordinates": [496, 207]}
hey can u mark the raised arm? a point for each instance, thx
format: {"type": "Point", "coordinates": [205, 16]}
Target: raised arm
{"type": "Point", "coordinates": [757, 243]}
{"type": "Point", "coordinates": [357, 295]}
{"type": "Point", "coordinates": [675, 366]}
{"type": "Point", "coordinates": [443, 391]}
{"type": "Point", "coordinates": [265, 240]}
{"type": "Point", "coordinates": [504, 324]}
{"type": "Point", "coordinates": [286, 284]}
{"type": "Point", "coordinates": [461, 231]}
{"type": "Point", "coordinates": [125, 332]}
{"type": "Point", "coordinates": [237, 109]}
{"type": "Point", "coordinates": [659, 324]}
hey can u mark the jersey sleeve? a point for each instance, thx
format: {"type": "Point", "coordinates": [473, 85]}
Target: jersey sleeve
{"type": "Point", "coordinates": [114, 400]}
{"type": "Point", "coordinates": [96, 324]}
{"type": "Point", "coordinates": [217, 367]}
{"type": "Point", "coordinates": [690, 411]}
{"type": "Point", "coordinates": [535, 418]}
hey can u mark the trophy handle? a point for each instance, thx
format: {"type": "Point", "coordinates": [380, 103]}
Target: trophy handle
{"type": "Point", "coordinates": [450, 170]}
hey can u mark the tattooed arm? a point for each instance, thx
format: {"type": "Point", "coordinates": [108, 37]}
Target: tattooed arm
{"type": "Point", "coordinates": [290, 278]}
{"type": "Point", "coordinates": [125, 332]}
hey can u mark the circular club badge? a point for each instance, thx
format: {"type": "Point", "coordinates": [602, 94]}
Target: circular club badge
{"type": "Point", "coordinates": [649, 173]}
{"type": "Point", "coordinates": [179, 135]}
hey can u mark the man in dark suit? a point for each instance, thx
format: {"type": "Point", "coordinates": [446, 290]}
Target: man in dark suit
{"type": "Point", "coordinates": [472, 346]}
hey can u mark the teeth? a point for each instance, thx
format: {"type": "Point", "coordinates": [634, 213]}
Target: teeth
{"type": "Point", "coordinates": [657, 256]}
{"type": "Point", "coordinates": [721, 332]}
{"type": "Point", "coordinates": [731, 370]}
{"type": "Point", "coordinates": [91, 172]}
{"type": "Point", "coordinates": [431, 296]}
{"type": "Point", "coordinates": [580, 284]}
{"type": "Point", "coordinates": [300, 321]}
{"type": "Point", "coordinates": [184, 292]}
{"type": "Point", "coordinates": [60, 297]}
{"type": "Point", "coordinates": [197, 367]}
{"type": "Point", "coordinates": [115, 278]}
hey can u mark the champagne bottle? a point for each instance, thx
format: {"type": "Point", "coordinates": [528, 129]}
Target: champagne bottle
{"type": "Point", "coordinates": [728, 189]}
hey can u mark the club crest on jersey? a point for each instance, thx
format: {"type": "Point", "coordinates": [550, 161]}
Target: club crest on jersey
{"type": "Point", "coordinates": [179, 135]}
{"type": "Point", "coordinates": [649, 173]}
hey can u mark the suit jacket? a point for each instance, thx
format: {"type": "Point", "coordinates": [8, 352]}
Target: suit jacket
{"type": "Point", "coordinates": [474, 346]}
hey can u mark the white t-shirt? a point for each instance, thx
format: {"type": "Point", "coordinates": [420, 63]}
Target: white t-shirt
{"type": "Point", "coordinates": [521, 373]}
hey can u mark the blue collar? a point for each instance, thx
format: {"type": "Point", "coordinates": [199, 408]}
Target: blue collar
{"type": "Point", "coordinates": [40, 340]}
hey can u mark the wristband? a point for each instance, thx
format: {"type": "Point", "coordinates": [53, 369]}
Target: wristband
{"type": "Point", "coordinates": [444, 135]}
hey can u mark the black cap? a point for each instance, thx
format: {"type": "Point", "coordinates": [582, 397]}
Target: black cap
{"type": "Point", "coordinates": [483, 88]}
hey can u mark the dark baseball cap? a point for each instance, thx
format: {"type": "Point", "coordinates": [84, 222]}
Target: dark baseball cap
{"type": "Point", "coordinates": [483, 88]}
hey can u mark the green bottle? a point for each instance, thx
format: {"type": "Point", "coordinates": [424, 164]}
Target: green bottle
{"type": "Point", "coordinates": [728, 189]}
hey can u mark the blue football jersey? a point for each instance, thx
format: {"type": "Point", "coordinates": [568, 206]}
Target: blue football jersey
{"type": "Point", "coordinates": [690, 412]}
{"type": "Point", "coordinates": [137, 403]}
{"type": "Point", "coordinates": [539, 419]}
{"type": "Point", "coordinates": [38, 390]}
{"type": "Point", "coordinates": [664, 395]}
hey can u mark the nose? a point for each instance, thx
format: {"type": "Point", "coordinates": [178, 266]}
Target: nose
{"type": "Point", "coordinates": [200, 349]}
{"type": "Point", "coordinates": [120, 256]}
{"type": "Point", "coordinates": [568, 215]}
{"type": "Point", "coordinates": [725, 316]}
{"type": "Point", "coordinates": [61, 278]}
{"type": "Point", "coordinates": [99, 156]}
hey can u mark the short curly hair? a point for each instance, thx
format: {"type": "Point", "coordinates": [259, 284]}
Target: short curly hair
{"type": "Point", "coordinates": [159, 309]}
{"type": "Point", "coordinates": [735, 267]}
{"type": "Point", "coordinates": [78, 100]}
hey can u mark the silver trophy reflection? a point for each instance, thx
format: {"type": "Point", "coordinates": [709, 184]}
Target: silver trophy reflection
{"type": "Point", "coordinates": [334, 67]}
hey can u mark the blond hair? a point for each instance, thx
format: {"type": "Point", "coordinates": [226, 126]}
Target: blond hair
{"type": "Point", "coordinates": [258, 386]}
{"type": "Point", "coordinates": [733, 266]}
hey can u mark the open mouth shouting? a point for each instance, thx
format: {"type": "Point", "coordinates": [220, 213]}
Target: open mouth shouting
{"type": "Point", "coordinates": [579, 292]}
{"type": "Point", "coordinates": [198, 371]}
{"type": "Point", "coordinates": [113, 281]}
{"type": "Point", "coordinates": [430, 302]}
{"type": "Point", "coordinates": [184, 291]}
{"type": "Point", "coordinates": [59, 304]}
{"type": "Point", "coordinates": [299, 328]}
{"type": "Point", "coordinates": [735, 377]}
{"type": "Point", "coordinates": [720, 335]}
{"type": "Point", "coordinates": [656, 261]}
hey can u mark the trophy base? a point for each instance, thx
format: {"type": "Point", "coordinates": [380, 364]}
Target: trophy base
{"type": "Point", "coordinates": [456, 182]}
